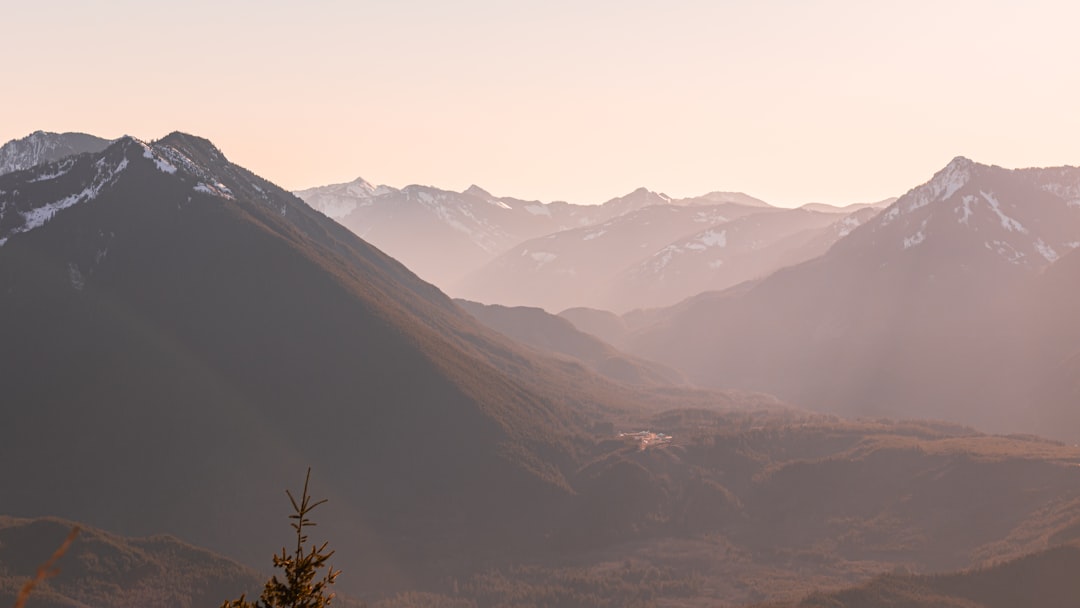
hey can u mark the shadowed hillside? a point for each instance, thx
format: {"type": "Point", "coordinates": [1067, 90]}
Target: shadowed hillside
{"type": "Point", "coordinates": [1046, 579]}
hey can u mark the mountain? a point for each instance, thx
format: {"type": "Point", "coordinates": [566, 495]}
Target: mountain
{"type": "Point", "coordinates": [847, 209]}
{"type": "Point", "coordinates": [555, 335]}
{"type": "Point", "coordinates": [444, 236]}
{"type": "Point", "coordinates": [42, 147]}
{"type": "Point", "coordinates": [922, 311]}
{"type": "Point", "coordinates": [105, 570]}
{"type": "Point", "coordinates": [721, 256]}
{"type": "Point", "coordinates": [180, 338]}
{"type": "Point", "coordinates": [577, 267]}
{"type": "Point", "coordinates": [603, 324]}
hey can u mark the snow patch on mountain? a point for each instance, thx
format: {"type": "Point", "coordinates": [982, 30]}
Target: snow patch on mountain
{"type": "Point", "coordinates": [663, 257]}
{"type": "Point", "coordinates": [543, 257]}
{"type": "Point", "coordinates": [847, 224]}
{"type": "Point", "coordinates": [916, 238]}
{"type": "Point", "coordinates": [1070, 191]}
{"type": "Point", "coordinates": [1005, 250]}
{"type": "Point", "coordinates": [1046, 251]}
{"type": "Point", "coordinates": [104, 175]}
{"type": "Point", "coordinates": [1007, 222]}
{"type": "Point", "coordinates": [217, 189]}
{"type": "Point", "coordinates": [162, 165]}
{"type": "Point", "coordinates": [61, 170]}
{"type": "Point", "coordinates": [710, 238]}
{"type": "Point", "coordinates": [965, 207]}
{"type": "Point", "coordinates": [711, 216]}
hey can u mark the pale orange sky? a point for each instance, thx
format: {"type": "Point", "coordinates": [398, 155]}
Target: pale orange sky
{"type": "Point", "coordinates": [791, 101]}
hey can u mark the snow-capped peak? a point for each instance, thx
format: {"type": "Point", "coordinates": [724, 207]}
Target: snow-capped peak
{"type": "Point", "coordinates": [945, 183]}
{"type": "Point", "coordinates": [941, 187]}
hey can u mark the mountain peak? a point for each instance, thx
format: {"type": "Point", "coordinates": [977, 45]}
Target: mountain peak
{"type": "Point", "coordinates": [960, 161]}
{"type": "Point", "coordinates": [738, 198]}
{"type": "Point", "coordinates": [945, 183]}
{"type": "Point", "coordinates": [43, 146]}
{"type": "Point", "coordinates": [197, 148]}
{"type": "Point", "coordinates": [475, 190]}
{"type": "Point", "coordinates": [642, 194]}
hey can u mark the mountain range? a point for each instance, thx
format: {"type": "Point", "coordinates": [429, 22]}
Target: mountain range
{"type": "Point", "coordinates": [181, 338]}
{"type": "Point", "coordinates": [446, 236]}
{"type": "Point", "coordinates": [502, 250]}
{"type": "Point", "coordinates": [948, 304]}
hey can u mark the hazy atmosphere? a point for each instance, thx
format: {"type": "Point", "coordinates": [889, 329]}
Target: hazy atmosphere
{"type": "Point", "coordinates": [542, 305]}
{"type": "Point", "coordinates": [849, 101]}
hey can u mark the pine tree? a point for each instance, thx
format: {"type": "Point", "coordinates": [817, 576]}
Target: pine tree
{"type": "Point", "coordinates": [300, 588]}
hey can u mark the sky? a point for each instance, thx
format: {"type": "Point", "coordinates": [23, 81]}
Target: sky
{"type": "Point", "coordinates": [837, 101]}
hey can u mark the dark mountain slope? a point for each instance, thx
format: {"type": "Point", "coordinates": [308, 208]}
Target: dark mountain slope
{"type": "Point", "coordinates": [179, 336]}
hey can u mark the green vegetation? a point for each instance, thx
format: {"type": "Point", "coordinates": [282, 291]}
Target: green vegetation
{"type": "Point", "coordinates": [301, 588]}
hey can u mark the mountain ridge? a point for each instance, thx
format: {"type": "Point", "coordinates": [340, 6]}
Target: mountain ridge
{"type": "Point", "coordinates": [42, 146]}
{"type": "Point", "coordinates": [906, 315]}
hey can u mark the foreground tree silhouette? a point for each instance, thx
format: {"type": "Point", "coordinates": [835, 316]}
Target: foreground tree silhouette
{"type": "Point", "coordinates": [300, 589]}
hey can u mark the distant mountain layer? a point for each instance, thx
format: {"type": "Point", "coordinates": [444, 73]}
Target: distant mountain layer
{"type": "Point", "coordinates": [951, 303]}
{"type": "Point", "coordinates": [578, 267]}
{"type": "Point", "coordinates": [846, 209]}
{"type": "Point", "coordinates": [41, 147]}
{"type": "Point", "coordinates": [727, 254]}
{"type": "Point", "coordinates": [444, 236]}
{"type": "Point", "coordinates": [555, 335]}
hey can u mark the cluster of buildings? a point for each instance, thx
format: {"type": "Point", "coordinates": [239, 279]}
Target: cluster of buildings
{"type": "Point", "coordinates": [644, 440]}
